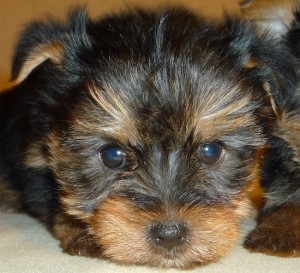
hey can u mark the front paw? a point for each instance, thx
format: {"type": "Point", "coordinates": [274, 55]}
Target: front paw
{"type": "Point", "coordinates": [277, 233]}
{"type": "Point", "coordinates": [81, 245]}
{"type": "Point", "coordinates": [74, 237]}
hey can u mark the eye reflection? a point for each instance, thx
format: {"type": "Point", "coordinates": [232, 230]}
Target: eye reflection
{"type": "Point", "coordinates": [113, 157]}
{"type": "Point", "coordinates": [211, 153]}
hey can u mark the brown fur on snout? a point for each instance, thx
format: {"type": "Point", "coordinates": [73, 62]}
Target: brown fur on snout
{"type": "Point", "coordinates": [122, 230]}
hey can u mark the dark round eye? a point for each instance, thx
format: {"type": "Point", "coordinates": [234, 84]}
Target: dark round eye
{"type": "Point", "coordinates": [113, 157]}
{"type": "Point", "coordinates": [211, 153]}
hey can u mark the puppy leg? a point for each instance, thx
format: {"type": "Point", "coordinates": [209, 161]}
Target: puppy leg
{"type": "Point", "coordinates": [74, 236]}
{"type": "Point", "coordinates": [278, 232]}
{"type": "Point", "coordinates": [278, 229]}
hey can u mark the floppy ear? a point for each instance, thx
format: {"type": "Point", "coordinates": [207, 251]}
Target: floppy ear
{"type": "Point", "coordinates": [51, 40]}
{"type": "Point", "coordinates": [275, 16]}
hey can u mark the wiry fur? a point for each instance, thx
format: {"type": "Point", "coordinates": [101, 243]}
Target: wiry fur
{"type": "Point", "coordinates": [160, 85]}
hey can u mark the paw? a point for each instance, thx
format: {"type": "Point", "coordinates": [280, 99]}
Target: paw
{"type": "Point", "coordinates": [74, 237]}
{"type": "Point", "coordinates": [81, 245]}
{"type": "Point", "coordinates": [277, 233]}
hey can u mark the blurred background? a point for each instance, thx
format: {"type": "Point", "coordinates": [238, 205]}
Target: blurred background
{"type": "Point", "coordinates": [14, 14]}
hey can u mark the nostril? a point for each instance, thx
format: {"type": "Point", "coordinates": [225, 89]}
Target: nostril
{"type": "Point", "coordinates": [168, 235]}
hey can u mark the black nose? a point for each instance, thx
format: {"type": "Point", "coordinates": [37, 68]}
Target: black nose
{"type": "Point", "coordinates": [168, 236]}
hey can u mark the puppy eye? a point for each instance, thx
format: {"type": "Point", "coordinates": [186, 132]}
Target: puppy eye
{"type": "Point", "coordinates": [211, 153]}
{"type": "Point", "coordinates": [113, 157]}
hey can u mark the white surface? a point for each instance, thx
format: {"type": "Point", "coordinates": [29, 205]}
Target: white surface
{"type": "Point", "coordinates": [27, 247]}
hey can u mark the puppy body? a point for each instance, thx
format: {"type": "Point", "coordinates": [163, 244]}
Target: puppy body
{"type": "Point", "coordinates": [136, 137]}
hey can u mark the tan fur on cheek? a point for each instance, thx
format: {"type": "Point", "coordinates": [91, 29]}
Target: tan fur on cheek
{"type": "Point", "coordinates": [122, 231]}
{"type": "Point", "coordinates": [215, 228]}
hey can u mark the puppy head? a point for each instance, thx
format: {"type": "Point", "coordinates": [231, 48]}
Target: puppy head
{"type": "Point", "coordinates": [155, 126]}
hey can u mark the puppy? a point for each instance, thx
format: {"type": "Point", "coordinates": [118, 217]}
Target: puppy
{"type": "Point", "coordinates": [278, 227]}
{"type": "Point", "coordinates": [136, 137]}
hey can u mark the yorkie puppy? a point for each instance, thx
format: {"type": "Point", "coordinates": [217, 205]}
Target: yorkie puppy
{"type": "Point", "coordinates": [278, 228]}
{"type": "Point", "coordinates": [136, 137]}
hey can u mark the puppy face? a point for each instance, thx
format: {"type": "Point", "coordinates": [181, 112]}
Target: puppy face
{"type": "Point", "coordinates": [160, 150]}
{"type": "Point", "coordinates": [154, 126]}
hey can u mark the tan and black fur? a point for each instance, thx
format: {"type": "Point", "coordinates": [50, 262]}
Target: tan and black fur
{"type": "Point", "coordinates": [136, 137]}
{"type": "Point", "coordinates": [279, 221]}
